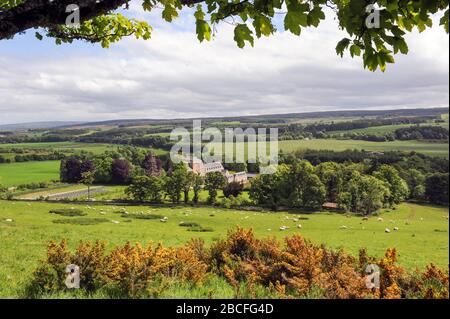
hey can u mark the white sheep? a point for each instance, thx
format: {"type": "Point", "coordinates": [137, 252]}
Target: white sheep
{"type": "Point", "coordinates": [299, 226]}
{"type": "Point", "coordinates": [284, 228]}
{"type": "Point", "coordinates": [387, 230]}
{"type": "Point", "coordinates": [115, 221]}
{"type": "Point", "coordinates": [396, 228]}
{"type": "Point", "coordinates": [9, 220]}
{"type": "Point", "coordinates": [343, 227]}
{"type": "Point", "coordinates": [380, 219]}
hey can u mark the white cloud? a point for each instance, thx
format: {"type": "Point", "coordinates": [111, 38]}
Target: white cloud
{"type": "Point", "coordinates": [173, 75]}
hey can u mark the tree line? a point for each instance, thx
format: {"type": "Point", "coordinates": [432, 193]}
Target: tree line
{"type": "Point", "coordinates": [354, 187]}
{"type": "Point", "coordinates": [302, 180]}
{"type": "Point", "coordinates": [148, 178]}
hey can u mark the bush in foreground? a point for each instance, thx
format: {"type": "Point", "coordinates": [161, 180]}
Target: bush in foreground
{"type": "Point", "coordinates": [251, 267]}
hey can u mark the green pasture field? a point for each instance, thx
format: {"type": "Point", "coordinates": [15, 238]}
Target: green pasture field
{"type": "Point", "coordinates": [428, 148]}
{"type": "Point", "coordinates": [288, 146]}
{"type": "Point", "coordinates": [69, 147]}
{"type": "Point", "coordinates": [28, 172]}
{"type": "Point", "coordinates": [422, 236]}
{"type": "Point", "coordinates": [385, 129]}
{"type": "Point", "coordinates": [374, 130]}
{"type": "Point", "coordinates": [62, 146]}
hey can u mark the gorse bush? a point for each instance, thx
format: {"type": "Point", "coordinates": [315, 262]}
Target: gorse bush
{"type": "Point", "coordinates": [129, 268]}
{"type": "Point", "coordinates": [251, 267]}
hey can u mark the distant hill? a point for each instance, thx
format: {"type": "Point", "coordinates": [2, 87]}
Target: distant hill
{"type": "Point", "coordinates": [36, 125]}
{"type": "Point", "coordinates": [275, 118]}
{"type": "Point", "coordinates": [266, 118]}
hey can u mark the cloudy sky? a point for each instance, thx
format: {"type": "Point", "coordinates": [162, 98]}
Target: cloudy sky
{"type": "Point", "coordinates": [174, 76]}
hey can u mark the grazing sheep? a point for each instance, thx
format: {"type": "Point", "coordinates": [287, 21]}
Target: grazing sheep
{"type": "Point", "coordinates": [9, 220]}
{"type": "Point", "coordinates": [343, 227]}
{"type": "Point", "coordinates": [162, 220]}
{"type": "Point", "coordinates": [115, 221]}
{"type": "Point", "coordinates": [380, 219]}
{"type": "Point", "coordinates": [299, 226]}
{"type": "Point", "coordinates": [269, 229]}
{"type": "Point", "coordinates": [284, 228]}
{"type": "Point", "coordinates": [295, 219]}
{"type": "Point", "coordinates": [396, 228]}
{"type": "Point", "coordinates": [387, 230]}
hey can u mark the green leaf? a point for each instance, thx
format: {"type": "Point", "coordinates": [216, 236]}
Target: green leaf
{"type": "Point", "coordinates": [262, 26]}
{"type": "Point", "coordinates": [342, 46]}
{"type": "Point", "coordinates": [241, 34]}
{"type": "Point", "coordinates": [315, 16]}
{"type": "Point", "coordinates": [445, 21]}
{"type": "Point", "coordinates": [203, 30]}
{"type": "Point", "coordinates": [293, 21]}
{"type": "Point", "coordinates": [355, 50]}
{"type": "Point", "coordinates": [169, 13]}
{"type": "Point", "coordinates": [39, 36]}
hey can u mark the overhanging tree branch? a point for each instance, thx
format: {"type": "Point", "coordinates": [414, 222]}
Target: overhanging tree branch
{"type": "Point", "coordinates": [46, 14]}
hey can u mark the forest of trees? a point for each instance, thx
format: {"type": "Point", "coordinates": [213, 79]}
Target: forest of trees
{"type": "Point", "coordinates": [422, 133]}
{"type": "Point", "coordinates": [355, 187]}
{"type": "Point", "coordinates": [303, 180]}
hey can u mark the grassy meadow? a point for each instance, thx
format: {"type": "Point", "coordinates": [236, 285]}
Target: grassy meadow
{"type": "Point", "coordinates": [386, 129]}
{"type": "Point", "coordinates": [428, 148]}
{"type": "Point", "coordinates": [61, 146]}
{"type": "Point", "coordinates": [422, 236]}
{"type": "Point", "coordinates": [288, 146]}
{"type": "Point", "coordinates": [28, 172]}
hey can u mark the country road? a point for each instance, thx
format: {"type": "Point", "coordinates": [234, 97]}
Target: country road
{"type": "Point", "coordinates": [65, 195]}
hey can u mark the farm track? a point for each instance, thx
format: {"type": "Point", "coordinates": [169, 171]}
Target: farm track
{"type": "Point", "coordinates": [66, 195]}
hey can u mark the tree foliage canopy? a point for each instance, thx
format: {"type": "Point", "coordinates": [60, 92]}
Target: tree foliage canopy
{"type": "Point", "coordinates": [101, 23]}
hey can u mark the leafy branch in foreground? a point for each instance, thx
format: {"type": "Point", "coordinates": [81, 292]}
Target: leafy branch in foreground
{"type": "Point", "coordinates": [376, 28]}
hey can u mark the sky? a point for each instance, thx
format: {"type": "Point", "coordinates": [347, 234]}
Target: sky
{"type": "Point", "coordinates": [174, 76]}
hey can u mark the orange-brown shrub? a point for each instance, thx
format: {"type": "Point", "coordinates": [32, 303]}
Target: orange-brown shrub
{"type": "Point", "coordinates": [50, 275]}
{"type": "Point", "coordinates": [129, 267]}
{"type": "Point", "coordinates": [434, 283]}
{"type": "Point", "coordinates": [297, 268]}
